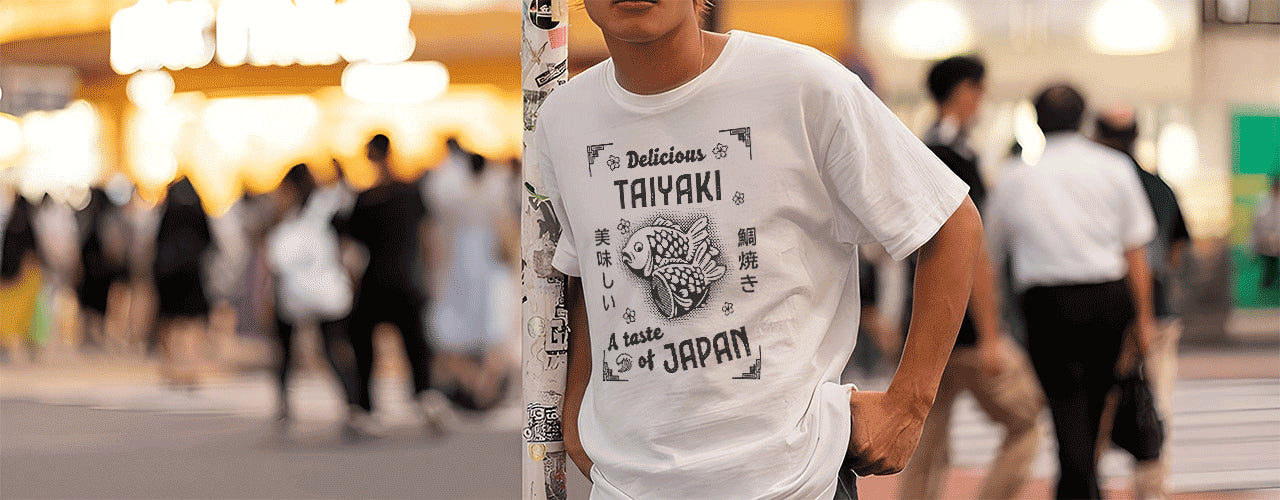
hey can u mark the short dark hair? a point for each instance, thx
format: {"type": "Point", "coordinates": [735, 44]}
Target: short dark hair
{"type": "Point", "coordinates": [951, 72]}
{"type": "Point", "coordinates": [1120, 135]}
{"type": "Point", "coordinates": [1059, 107]}
{"type": "Point", "coordinates": [301, 179]}
{"type": "Point", "coordinates": [378, 148]}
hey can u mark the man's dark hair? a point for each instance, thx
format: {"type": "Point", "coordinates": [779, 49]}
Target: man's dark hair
{"type": "Point", "coordinates": [1119, 135]}
{"type": "Point", "coordinates": [477, 163]}
{"type": "Point", "coordinates": [1059, 107]}
{"type": "Point", "coordinates": [300, 178]}
{"type": "Point", "coordinates": [379, 148]}
{"type": "Point", "coordinates": [948, 73]}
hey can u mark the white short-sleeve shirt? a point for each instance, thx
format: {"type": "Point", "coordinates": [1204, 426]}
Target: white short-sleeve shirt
{"type": "Point", "coordinates": [714, 227]}
{"type": "Point", "coordinates": [1068, 219]}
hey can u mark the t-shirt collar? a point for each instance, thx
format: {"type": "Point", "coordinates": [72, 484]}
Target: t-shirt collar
{"type": "Point", "coordinates": [673, 97]}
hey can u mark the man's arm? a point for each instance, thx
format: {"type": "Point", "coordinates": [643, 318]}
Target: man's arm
{"type": "Point", "coordinates": [1140, 288]}
{"type": "Point", "coordinates": [579, 373]}
{"type": "Point", "coordinates": [886, 425]}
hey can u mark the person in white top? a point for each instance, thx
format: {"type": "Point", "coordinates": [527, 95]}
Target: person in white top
{"type": "Point", "coordinates": [311, 283]}
{"type": "Point", "coordinates": [1074, 226]}
{"type": "Point", "coordinates": [468, 318]}
{"type": "Point", "coordinates": [711, 190]}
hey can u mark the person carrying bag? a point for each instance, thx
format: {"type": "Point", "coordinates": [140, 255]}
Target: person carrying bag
{"type": "Point", "coordinates": [1130, 418]}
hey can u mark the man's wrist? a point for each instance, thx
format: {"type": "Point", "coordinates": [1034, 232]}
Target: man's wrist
{"type": "Point", "coordinates": [913, 399]}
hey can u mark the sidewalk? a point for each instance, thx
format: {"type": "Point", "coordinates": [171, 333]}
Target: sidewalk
{"type": "Point", "coordinates": [1226, 396]}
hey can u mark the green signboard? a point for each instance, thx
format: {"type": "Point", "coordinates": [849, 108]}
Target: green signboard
{"type": "Point", "coordinates": [1255, 147]}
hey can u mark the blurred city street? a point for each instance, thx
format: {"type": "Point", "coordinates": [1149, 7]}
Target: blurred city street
{"type": "Point", "coordinates": [340, 248]}
{"type": "Point", "coordinates": [107, 429]}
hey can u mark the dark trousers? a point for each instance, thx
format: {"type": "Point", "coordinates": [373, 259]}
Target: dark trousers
{"type": "Point", "coordinates": [1074, 334]}
{"type": "Point", "coordinates": [846, 481]}
{"type": "Point", "coordinates": [373, 307]}
{"type": "Point", "coordinates": [337, 350]}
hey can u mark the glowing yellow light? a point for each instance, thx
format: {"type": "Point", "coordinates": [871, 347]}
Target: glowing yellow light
{"type": "Point", "coordinates": [62, 149]}
{"type": "Point", "coordinates": [929, 29]}
{"type": "Point", "coordinates": [376, 30]}
{"type": "Point", "coordinates": [149, 88]}
{"type": "Point", "coordinates": [1129, 27]}
{"type": "Point", "coordinates": [408, 82]}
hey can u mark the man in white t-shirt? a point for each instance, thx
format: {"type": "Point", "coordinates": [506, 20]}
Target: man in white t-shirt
{"type": "Point", "coordinates": [712, 189]}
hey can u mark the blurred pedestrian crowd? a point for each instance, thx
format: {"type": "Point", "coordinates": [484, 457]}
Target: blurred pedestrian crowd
{"type": "Point", "coordinates": [1071, 304]}
{"type": "Point", "coordinates": [434, 258]}
{"type": "Point", "coordinates": [1073, 296]}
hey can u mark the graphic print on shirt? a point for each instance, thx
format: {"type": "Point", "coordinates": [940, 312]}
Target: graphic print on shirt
{"type": "Point", "coordinates": [679, 265]}
{"type": "Point", "coordinates": [743, 134]}
{"type": "Point", "coordinates": [593, 152]}
{"type": "Point", "coordinates": [676, 257]}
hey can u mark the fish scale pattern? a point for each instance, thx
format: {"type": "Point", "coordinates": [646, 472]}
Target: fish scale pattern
{"type": "Point", "coordinates": [669, 245]}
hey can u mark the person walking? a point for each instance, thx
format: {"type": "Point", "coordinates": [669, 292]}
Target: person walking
{"type": "Point", "coordinates": [183, 242]}
{"type": "Point", "coordinates": [388, 219]}
{"type": "Point", "coordinates": [1117, 128]}
{"type": "Point", "coordinates": [21, 277]}
{"type": "Point", "coordinates": [1075, 226]}
{"type": "Point", "coordinates": [711, 230]}
{"type": "Point", "coordinates": [312, 286]}
{"type": "Point", "coordinates": [986, 362]}
{"type": "Point", "coordinates": [1266, 235]}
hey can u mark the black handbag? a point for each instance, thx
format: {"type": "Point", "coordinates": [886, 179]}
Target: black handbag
{"type": "Point", "coordinates": [1138, 427]}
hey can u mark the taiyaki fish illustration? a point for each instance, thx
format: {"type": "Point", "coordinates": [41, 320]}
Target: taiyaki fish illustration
{"type": "Point", "coordinates": [662, 243]}
{"type": "Point", "coordinates": [680, 266]}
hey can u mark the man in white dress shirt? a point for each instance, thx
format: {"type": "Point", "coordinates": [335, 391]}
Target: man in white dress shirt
{"type": "Point", "coordinates": [1075, 225]}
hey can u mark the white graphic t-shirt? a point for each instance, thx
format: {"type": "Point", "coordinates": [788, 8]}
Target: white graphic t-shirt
{"type": "Point", "coordinates": [715, 227]}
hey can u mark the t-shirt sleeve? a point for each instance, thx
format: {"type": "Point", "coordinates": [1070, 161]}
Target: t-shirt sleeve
{"type": "Point", "coordinates": [1139, 223]}
{"type": "Point", "coordinates": [897, 190]}
{"type": "Point", "coordinates": [565, 258]}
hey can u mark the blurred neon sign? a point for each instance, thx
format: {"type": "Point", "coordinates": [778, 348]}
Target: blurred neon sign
{"type": "Point", "coordinates": [154, 34]}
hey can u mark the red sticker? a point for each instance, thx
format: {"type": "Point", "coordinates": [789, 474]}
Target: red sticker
{"type": "Point", "coordinates": [559, 37]}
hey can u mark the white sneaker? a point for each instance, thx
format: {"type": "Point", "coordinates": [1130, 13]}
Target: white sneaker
{"type": "Point", "coordinates": [437, 412]}
{"type": "Point", "coordinates": [360, 426]}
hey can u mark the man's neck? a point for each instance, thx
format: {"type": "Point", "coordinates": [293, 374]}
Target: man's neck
{"type": "Point", "coordinates": [954, 118]}
{"type": "Point", "coordinates": [665, 63]}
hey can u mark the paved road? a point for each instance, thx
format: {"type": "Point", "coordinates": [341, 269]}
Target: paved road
{"type": "Point", "coordinates": [138, 440]}
{"type": "Point", "coordinates": [143, 441]}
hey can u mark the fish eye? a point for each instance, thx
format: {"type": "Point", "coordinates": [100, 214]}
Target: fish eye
{"type": "Point", "coordinates": [638, 246]}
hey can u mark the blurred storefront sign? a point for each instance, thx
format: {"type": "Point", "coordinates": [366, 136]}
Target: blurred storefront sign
{"type": "Point", "coordinates": [155, 34]}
